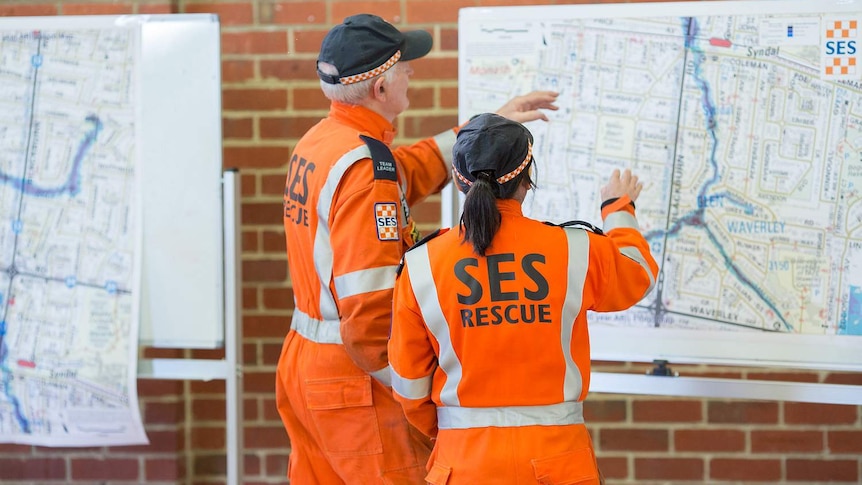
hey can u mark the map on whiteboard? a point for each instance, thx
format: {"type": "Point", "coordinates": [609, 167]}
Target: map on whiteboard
{"type": "Point", "coordinates": [747, 131]}
{"type": "Point", "coordinates": [68, 232]}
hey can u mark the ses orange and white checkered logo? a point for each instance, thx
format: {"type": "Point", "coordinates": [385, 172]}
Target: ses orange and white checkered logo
{"type": "Point", "coordinates": [840, 48]}
{"type": "Point", "coordinates": [386, 218]}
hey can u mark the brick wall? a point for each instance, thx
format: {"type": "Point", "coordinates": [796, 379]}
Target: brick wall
{"type": "Point", "coordinates": [270, 96]}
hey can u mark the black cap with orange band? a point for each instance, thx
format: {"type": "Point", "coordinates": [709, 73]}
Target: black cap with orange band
{"type": "Point", "coordinates": [491, 143]}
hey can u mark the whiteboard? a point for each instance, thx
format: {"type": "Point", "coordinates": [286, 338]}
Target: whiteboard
{"type": "Point", "coordinates": [179, 170]}
{"type": "Point", "coordinates": [709, 110]}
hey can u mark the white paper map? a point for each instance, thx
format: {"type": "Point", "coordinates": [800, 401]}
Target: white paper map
{"type": "Point", "coordinates": [68, 237]}
{"type": "Point", "coordinates": [746, 129]}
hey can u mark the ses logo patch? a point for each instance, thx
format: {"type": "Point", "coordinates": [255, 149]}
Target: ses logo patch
{"type": "Point", "coordinates": [386, 218]}
{"type": "Point", "coordinates": [840, 57]}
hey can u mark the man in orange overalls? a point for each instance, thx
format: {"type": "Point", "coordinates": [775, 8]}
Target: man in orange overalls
{"type": "Point", "coordinates": [347, 224]}
{"type": "Point", "coordinates": [489, 351]}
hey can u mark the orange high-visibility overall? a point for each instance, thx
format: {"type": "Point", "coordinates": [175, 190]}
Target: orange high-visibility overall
{"type": "Point", "coordinates": [347, 225]}
{"type": "Point", "coordinates": [494, 351]}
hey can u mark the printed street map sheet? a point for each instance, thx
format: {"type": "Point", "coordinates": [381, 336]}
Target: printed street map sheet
{"type": "Point", "coordinates": [747, 130]}
{"type": "Point", "coordinates": [68, 237]}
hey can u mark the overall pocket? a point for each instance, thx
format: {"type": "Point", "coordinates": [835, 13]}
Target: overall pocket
{"type": "Point", "coordinates": [570, 468]}
{"type": "Point", "coordinates": [438, 474]}
{"type": "Point", "coordinates": [343, 412]}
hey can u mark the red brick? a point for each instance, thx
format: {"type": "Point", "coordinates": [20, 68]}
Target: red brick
{"type": "Point", "coordinates": [290, 69]}
{"type": "Point", "coordinates": [811, 413]}
{"type": "Point", "coordinates": [266, 270]}
{"type": "Point", "coordinates": [248, 184]}
{"type": "Point", "coordinates": [204, 465]}
{"type": "Point", "coordinates": [786, 441]}
{"type": "Point", "coordinates": [846, 378]}
{"type": "Point", "coordinates": [276, 464]}
{"type": "Point", "coordinates": [299, 12]}
{"type": "Point", "coordinates": [844, 441]}
{"type": "Point", "coordinates": [161, 441]}
{"type": "Point", "coordinates": [249, 298]}
{"type": "Point", "coordinates": [286, 127]}
{"type": "Point", "coordinates": [664, 411]}
{"type": "Point", "coordinates": [249, 357]}
{"type": "Point", "coordinates": [308, 41]}
{"type": "Point", "coordinates": [32, 468]}
{"type": "Point", "coordinates": [237, 128]}
{"type": "Point", "coordinates": [215, 387]}
{"type": "Point", "coordinates": [208, 409]}
{"type": "Point", "coordinates": [254, 99]}
{"type": "Point", "coordinates": [228, 13]}
{"type": "Point", "coordinates": [159, 387]}
{"type": "Point", "coordinates": [158, 8]}
{"type": "Point", "coordinates": [822, 470]}
{"type": "Point", "coordinates": [421, 98]}
{"type": "Point", "coordinates": [249, 157]}
{"type": "Point", "coordinates": [262, 213]}
{"type": "Point", "coordinates": [428, 125]}
{"type": "Point", "coordinates": [265, 326]}
{"type": "Point", "coordinates": [270, 410]}
{"type": "Point", "coordinates": [432, 11]}
{"type": "Point", "coordinates": [164, 412]}
{"type": "Point", "coordinates": [448, 40]}
{"type": "Point", "coordinates": [604, 411]}
{"type": "Point", "coordinates": [738, 469]}
{"type": "Point", "coordinates": [273, 184]}
{"type": "Point", "coordinates": [633, 439]}
{"type": "Point", "coordinates": [9, 448]}
{"type": "Point", "coordinates": [784, 376]}
{"type": "Point", "coordinates": [742, 412]}
{"type": "Point", "coordinates": [235, 71]}
{"type": "Point", "coordinates": [23, 10]}
{"type": "Point", "coordinates": [669, 468]}
{"type": "Point", "coordinates": [435, 68]}
{"type": "Point", "coordinates": [274, 242]}
{"type": "Point", "coordinates": [96, 8]}
{"type": "Point", "coordinates": [157, 353]}
{"type": "Point", "coordinates": [716, 440]}
{"type": "Point", "coordinates": [251, 466]}
{"type": "Point", "coordinates": [427, 211]}
{"type": "Point", "coordinates": [309, 99]}
{"type": "Point", "coordinates": [208, 438]}
{"type": "Point", "coordinates": [390, 10]}
{"type": "Point", "coordinates": [613, 466]}
{"type": "Point", "coordinates": [250, 243]}
{"type": "Point", "coordinates": [270, 353]}
{"type": "Point", "coordinates": [253, 42]}
{"type": "Point", "coordinates": [277, 298]}
{"type": "Point", "coordinates": [269, 437]}
{"type": "Point", "coordinates": [448, 97]}
{"type": "Point", "coordinates": [104, 469]}
{"type": "Point", "coordinates": [165, 469]}
{"type": "Point", "coordinates": [259, 382]}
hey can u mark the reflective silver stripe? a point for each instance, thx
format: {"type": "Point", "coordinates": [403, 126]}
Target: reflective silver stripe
{"type": "Point", "coordinates": [635, 255]}
{"type": "Point", "coordinates": [365, 281]}
{"type": "Point", "coordinates": [576, 275]}
{"type": "Point", "coordinates": [550, 415]}
{"type": "Point", "coordinates": [419, 268]}
{"type": "Point", "coordinates": [411, 388]}
{"type": "Point", "coordinates": [322, 247]}
{"type": "Point", "coordinates": [620, 219]}
{"type": "Point", "coordinates": [320, 331]}
{"type": "Point", "coordinates": [383, 375]}
{"type": "Point", "coordinates": [445, 141]}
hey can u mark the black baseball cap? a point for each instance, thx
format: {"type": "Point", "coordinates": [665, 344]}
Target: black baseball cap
{"type": "Point", "coordinates": [491, 143]}
{"type": "Point", "coordinates": [365, 45]}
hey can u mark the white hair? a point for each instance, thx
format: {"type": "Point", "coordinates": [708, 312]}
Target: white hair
{"type": "Point", "coordinates": [354, 93]}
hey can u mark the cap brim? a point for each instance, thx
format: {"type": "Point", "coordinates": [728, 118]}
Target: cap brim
{"type": "Point", "coordinates": [417, 43]}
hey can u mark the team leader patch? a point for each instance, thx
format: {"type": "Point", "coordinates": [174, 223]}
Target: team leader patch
{"type": "Point", "coordinates": [386, 218]}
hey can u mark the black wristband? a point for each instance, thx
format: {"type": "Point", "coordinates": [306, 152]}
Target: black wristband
{"type": "Point", "coordinates": [611, 201]}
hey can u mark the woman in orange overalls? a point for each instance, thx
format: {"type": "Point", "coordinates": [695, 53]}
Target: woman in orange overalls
{"type": "Point", "coordinates": [489, 348]}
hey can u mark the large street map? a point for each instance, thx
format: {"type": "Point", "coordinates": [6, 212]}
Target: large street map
{"type": "Point", "coordinates": [746, 128]}
{"type": "Point", "coordinates": [68, 236]}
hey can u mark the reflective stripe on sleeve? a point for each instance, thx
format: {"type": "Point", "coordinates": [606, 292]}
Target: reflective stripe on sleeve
{"type": "Point", "coordinates": [320, 331]}
{"type": "Point", "coordinates": [322, 246]}
{"type": "Point", "coordinates": [365, 281]}
{"type": "Point", "coordinates": [383, 375]}
{"type": "Point", "coordinates": [579, 250]}
{"type": "Point", "coordinates": [411, 388]}
{"type": "Point", "coordinates": [419, 268]}
{"type": "Point", "coordinates": [620, 219]}
{"type": "Point", "coordinates": [635, 255]}
{"type": "Point", "coordinates": [550, 415]}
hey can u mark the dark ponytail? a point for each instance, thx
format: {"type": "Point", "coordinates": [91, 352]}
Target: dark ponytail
{"type": "Point", "coordinates": [480, 218]}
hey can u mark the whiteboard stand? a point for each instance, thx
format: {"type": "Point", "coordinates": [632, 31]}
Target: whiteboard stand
{"type": "Point", "coordinates": [230, 368]}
